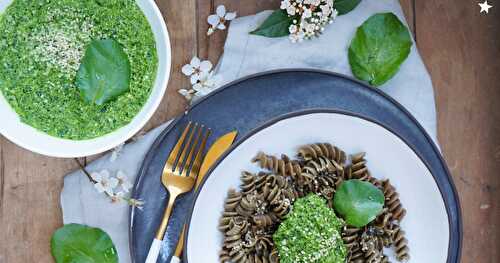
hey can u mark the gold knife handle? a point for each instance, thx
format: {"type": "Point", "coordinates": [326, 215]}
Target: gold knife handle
{"type": "Point", "coordinates": [180, 243]}
{"type": "Point", "coordinates": [229, 138]}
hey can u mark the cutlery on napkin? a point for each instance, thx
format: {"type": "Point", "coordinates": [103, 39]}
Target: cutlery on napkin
{"type": "Point", "coordinates": [216, 150]}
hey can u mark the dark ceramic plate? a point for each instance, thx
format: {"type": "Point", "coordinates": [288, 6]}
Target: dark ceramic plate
{"type": "Point", "coordinates": [247, 104]}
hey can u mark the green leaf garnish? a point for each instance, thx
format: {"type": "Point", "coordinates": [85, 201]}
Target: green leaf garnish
{"type": "Point", "coordinates": [358, 202]}
{"type": "Point", "coordinates": [82, 244]}
{"type": "Point", "coordinates": [276, 25]}
{"type": "Point", "coordinates": [345, 6]}
{"type": "Point", "coordinates": [104, 72]}
{"type": "Point", "coordinates": [379, 47]}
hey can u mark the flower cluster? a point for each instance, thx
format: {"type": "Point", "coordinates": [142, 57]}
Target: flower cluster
{"type": "Point", "coordinates": [309, 17]}
{"type": "Point", "coordinates": [116, 187]}
{"type": "Point", "coordinates": [203, 80]}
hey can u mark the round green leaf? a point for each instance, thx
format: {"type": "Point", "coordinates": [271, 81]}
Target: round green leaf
{"type": "Point", "coordinates": [358, 202]}
{"type": "Point", "coordinates": [381, 44]}
{"type": "Point", "coordinates": [345, 6]}
{"type": "Point", "coordinates": [276, 25]}
{"type": "Point", "coordinates": [82, 244]}
{"type": "Point", "coordinates": [104, 72]}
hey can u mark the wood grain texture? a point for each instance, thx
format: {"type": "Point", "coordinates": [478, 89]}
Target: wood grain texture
{"type": "Point", "coordinates": [460, 48]}
{"type": "Point", "coordinates": [29, 202]}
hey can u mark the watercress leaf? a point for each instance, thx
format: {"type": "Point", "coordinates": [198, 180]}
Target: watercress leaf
{"type": "Point", "coordinates": [358, 202]}
{"type": "Point", "coordinates": [380, 46]}
{"type": "Point", "coordinates": [345, 6]}
{"type": "Point", "coordinates": [104, 72]}
{"type": "Point", "coordinates": [82, 244]}
{"type": "Point", "coordinates": [276, 25]}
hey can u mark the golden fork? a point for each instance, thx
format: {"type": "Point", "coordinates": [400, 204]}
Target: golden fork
{"type": "Point", "coordinates": [179, 175]}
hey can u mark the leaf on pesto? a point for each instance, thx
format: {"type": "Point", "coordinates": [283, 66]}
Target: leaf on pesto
{"type": "Point", "coordinates": [358, 202]}
{"type": "Point", "coordinates": [104, 72]}
{"type": "Point", "coordinates": [276, 25]}
{"type": "Point", "coordinates": [345, 6]}
{"type": "Point", "coordinates": [381, 44]}
{"type": "Point", "coordinates": [79, 243]}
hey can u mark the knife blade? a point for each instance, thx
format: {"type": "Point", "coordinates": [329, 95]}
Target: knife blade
{"type": "Point", "coordinates": [216, 150]}
{"type": "Point", "coordinates": [214, 153]}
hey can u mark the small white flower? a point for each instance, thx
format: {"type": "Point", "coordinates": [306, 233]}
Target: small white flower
{"type": "Point", "coordinates": [188, 94]}
{"type": "Point", "coordinates": [285, 4]}
{"type": "Point", "coordinates": [326, 10]}
{"type": "Point", "coordinates": [309, 28]}
{"type": "Point", "coordinates": [116, 152]}
{"type": "Point", "coordinates": [329, 2]}
{"type": "Point", "coordinates": [196, 68]}
{"type": "Point", "coordinates": [315, 2]}
{"type": "Point", "coordinates": [123, 181]}
{"type": "Point", "coordinates": [293, 29]}
{"type": "Point", "coordinates": [218, 20]}
{"type": "Point", "coordinates": [307, 13]}
{"type": "Point", "coordinates": [291, 10]}
{"type": "Point", "coordinates": [105, 183]}
{"type": "Point", "coordinates": [297, 37]}
{"type": "Point", "coordinates": [206, 84]}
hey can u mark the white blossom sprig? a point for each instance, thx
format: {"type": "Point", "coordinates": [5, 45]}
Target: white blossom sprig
{"type": "Point", "coordinates": [196, 69]}
{"type": "Point", "coordinates": [203, 79]}
{"type": "Point", "coordinates": [116, 187]}
{"type": "Point", "coordinates": [310, 17]}
{"type": "Point", "coordinates": [219, 19]}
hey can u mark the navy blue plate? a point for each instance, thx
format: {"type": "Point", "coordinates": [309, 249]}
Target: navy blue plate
{"type": "Point", "coordinates": [247, 104]}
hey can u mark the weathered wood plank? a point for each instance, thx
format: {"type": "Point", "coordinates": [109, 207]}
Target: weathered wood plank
{"type": "Point", "coordinates": [30, 184]}
{"type": "Point", "coordinates": [29, 202]}
{"type": "Point", "coordinates": [461, 48]}
{"type": "Point", "coordinates": [409, 10]}
{"type": "Point", "coordinates": [211, 47]}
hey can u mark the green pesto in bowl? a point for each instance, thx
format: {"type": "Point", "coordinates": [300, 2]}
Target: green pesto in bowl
{"type": "Point", "coordinates": [41, 45]}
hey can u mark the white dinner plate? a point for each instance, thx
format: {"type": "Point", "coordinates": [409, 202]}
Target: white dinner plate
{"type": "Point", "coordinates": [426, 223]}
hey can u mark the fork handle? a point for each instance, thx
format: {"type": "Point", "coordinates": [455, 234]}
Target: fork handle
{"type": "Point", "coordinates": [154, 250]}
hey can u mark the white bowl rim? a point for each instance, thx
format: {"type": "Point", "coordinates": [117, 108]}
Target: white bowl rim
{"type": "Point", "coordinates": [161, 82]}
{"type": "Point", "coordinates": [453, 241]}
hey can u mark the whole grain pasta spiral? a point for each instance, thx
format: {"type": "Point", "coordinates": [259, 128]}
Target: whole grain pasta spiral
{"type": "Point", "coordinates": [252, 214]}
{"type": "Point", "coordinates": [392, 201]}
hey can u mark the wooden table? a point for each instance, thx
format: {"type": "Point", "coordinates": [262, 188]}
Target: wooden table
{"type": "Point", "coordinates": [460, 47]}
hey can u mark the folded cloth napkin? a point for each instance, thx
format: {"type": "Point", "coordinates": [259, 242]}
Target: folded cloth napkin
{"type": "Point", "coordinates": [246, 54]}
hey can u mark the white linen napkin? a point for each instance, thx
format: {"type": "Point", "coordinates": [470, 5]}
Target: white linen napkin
{"type": "Point", "coordinates": [246, 54]}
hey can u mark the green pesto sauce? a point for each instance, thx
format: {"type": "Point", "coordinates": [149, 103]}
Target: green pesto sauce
{"type": "Point", "coordinates": [311, 233]}
{"type": "Point", "coordinates": [41, 45]}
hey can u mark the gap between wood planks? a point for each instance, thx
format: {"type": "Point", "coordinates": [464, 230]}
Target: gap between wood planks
{"type": "Point", "coordinates": [2, 180]}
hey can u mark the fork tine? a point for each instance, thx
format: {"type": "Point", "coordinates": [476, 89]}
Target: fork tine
{"type": "Point", "coordinates": [187, 145]}
{"type": "Point", "coordinates": [175, 151]}
{"type": "Point", "coordinates": [186, 165]}
{"type": "Point", "coordinates": [197, 161]}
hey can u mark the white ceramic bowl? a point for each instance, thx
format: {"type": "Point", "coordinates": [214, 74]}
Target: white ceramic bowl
{"type": "Point", "coordinates": [29, 138]}
{"type": "Point", "coordinates": [426, 222]}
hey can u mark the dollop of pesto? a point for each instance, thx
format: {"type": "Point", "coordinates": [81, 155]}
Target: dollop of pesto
{"type": "Point", "coordinates": [41, 45]}
{"type": "Point", "coordinates": [311, 233]}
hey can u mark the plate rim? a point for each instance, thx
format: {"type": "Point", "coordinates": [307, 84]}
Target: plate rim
{"type": "Point", "coordinates": [175, 121]}
{"type": "Point", "coordinates": [294, 114]}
